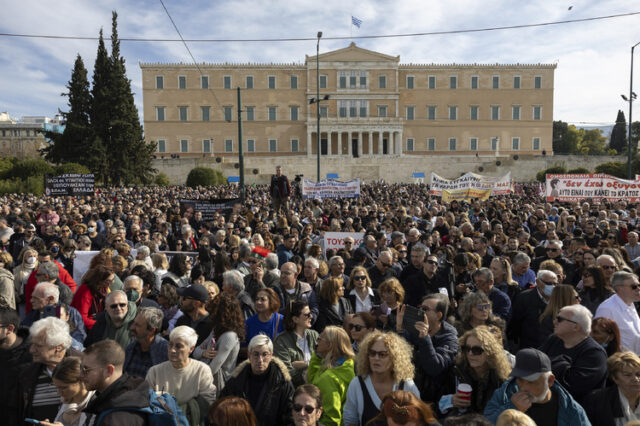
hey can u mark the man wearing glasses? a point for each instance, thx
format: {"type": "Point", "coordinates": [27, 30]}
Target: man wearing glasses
{"type": "Point", "coordinates": [621, 309]}
{"type": "Point", "coordinates": [608, 265]}
{"type": "Point", "coordinates": [382, 270]}
{"type": "Point", "coordinates": [427, 280]}
{"type": "Point", "coordinates": [115, 321]}
{"type": "Point", "coordinates": [553, 251]}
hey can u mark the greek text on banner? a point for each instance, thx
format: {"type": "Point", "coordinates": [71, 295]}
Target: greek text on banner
{"type": "Point", "coordinates": [594, 186]}
{"type": "Point", "coordinates": [330, 189]}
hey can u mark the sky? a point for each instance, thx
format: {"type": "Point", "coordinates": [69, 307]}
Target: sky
{"type": "Point", "coordinates": [593, 57]}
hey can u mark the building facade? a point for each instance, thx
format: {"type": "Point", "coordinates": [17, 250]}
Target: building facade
{"type": "Point", "coordinates": [25, 138]}
{"type": "Point", "coordinates": [376, 106]}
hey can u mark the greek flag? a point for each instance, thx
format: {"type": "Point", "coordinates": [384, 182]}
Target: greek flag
{"type": "Point", "coordinates": [355, 21]}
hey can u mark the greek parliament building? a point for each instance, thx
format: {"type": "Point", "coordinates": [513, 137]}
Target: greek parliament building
{"type": "Point", "coordinates": [376, 107]}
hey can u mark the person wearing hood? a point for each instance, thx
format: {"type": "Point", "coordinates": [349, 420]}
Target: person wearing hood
{"type": "Point", "coordinates": [115, 321]}
{"type": "Point", "coordinates": [264, 381]}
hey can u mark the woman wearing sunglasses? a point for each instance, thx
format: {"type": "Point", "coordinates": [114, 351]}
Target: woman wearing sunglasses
{"type": "Point", "coordinates": [359, 326]}
{"type": "Point", "coordinates": [295, 346]}
{"type": "Point", "coordinates": [595, 288]}
{"type": "Point", "coordinates": [475, 310]}
{"type": "Point", "coordinates": [361, 296]}
{"type": "Point", "coordinates": [307, 405]}
{"type": "Point", "coordinates": [384, 365]}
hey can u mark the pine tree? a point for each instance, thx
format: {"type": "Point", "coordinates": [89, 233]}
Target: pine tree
{"type": "Point", "coordinates": [101, 111]}
{"type": "Point", "coordinates": [619, 134]}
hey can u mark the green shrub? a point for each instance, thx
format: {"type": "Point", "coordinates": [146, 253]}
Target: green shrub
{"type": "Point", "coordinates": [6, 165]}
{"type": "Point", "coordinates": [71, 168]}
{"type": "Point", "coordinates": [30, 168]}
{"type": "Point", "coordinates": [204, 176]}
{"type": "Point", "coordinates": [33, 185]}
{"type": "Point", "coordinates": [161, 179]}
{"type": "Point", "coordinates": [578, 171]}
{"type": "Point", "coordinates": [613, 168]}
{"type": "Point", "coordinates": [540, 176]}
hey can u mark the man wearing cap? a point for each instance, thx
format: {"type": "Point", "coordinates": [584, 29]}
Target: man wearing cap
{"type": "Point", "coordinates": [258, 277]}
{"type": "Point", "coordinates": [193, 299]}
{"type": "Point", "coordinates": [534, 391]}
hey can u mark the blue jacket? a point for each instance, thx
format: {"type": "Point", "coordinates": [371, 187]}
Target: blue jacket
{"type": "Point", "coordinates": [158, 350]}
{"type": "Point", "coordinates": [570, 413]}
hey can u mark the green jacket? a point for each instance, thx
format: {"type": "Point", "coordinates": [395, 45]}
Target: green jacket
{"type": "Point", "coordinates": [287, 349]}
{"type": "Point", "coordinates": [333, 384]}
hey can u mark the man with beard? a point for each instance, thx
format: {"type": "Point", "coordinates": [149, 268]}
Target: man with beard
{"type": "Point", "coordinates": [148, 348]}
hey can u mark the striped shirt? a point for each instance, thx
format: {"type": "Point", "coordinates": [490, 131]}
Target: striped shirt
{"type": "Point", "coordinates": [46, 400]}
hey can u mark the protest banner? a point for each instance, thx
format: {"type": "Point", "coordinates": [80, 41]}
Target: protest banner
{"type": "Point", "coordinates": [207, 207]}
{"type": "Point", "coordinates": [69, 184]}
{"type": "Point", "coordinates": [330, 189]}
{"type": "Point", "coordinates": [470, 186]}
{"type": "Point", "coordinates": [335, 240]}
{"type": "Point", "coordinates": [595, 186]}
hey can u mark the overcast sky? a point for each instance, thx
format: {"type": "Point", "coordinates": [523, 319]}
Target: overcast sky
{"type": "Point", "coordinates": [593, 57]}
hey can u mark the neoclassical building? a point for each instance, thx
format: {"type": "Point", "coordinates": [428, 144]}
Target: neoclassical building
{"type": "Point", "coordinates": [376, 106]}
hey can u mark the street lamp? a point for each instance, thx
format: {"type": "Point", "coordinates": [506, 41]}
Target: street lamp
{"type": "Point", "coordinates": [317, 100]}
{"type": "Point", "coordinates": [632, 97]}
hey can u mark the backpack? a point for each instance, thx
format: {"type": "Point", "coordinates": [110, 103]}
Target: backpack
{"type": "Point", "coordinates": [163, 410]}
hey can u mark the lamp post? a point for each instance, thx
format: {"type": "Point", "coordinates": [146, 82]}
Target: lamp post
{"type": "Point", "coordinates": [317, 101]}
{"type": "Point", "coordinates": [632, 97]}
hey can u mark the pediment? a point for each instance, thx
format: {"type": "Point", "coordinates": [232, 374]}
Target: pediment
{"type": "Point", "coordinates": [353, 53]}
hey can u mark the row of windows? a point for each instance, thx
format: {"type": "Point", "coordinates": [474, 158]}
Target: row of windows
{"type": "Point", "coordinates": [474, 112]}
{"type": "Point", "coordinates": [250, 145]}
{"type": "Point", "coordinates": [473, 144]}
{"type": "Point", "coordinates": [352, 80]}
{"type": "Point", "coordinates": [205, 111]}
{"type": "Point", "coordinates": [18, 132]}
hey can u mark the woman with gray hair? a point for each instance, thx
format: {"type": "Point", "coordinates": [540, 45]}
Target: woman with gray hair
{"type": "Point", "coordinates": [189, 380]}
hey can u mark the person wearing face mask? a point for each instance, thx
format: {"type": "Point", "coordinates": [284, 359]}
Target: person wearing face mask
{"type": "Point", "coordinates": [134, 289]}
{"type": "Point", "coordinates": [98, 240]}
{"type": "Point", "coordinates": [28, 262]}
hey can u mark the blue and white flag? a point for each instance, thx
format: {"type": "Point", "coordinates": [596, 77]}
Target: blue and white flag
{"type": "Point", "coordinates": [355, 21]}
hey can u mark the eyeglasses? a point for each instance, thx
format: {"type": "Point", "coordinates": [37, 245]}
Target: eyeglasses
{"type": "Point", "coordinates": [84, 369]}
{"type": "Point", "coordinates": [356, 327]}
{"type": "Point", "coordinates": [307, 408]}
{"type": "Point", "coordinates": [402, 251]}
{"type": "Point", "coordinates": [552, 249]}
{"type": "Point", "coordinates": [359, 278]}
{"type": "Point", "coordinates": [431, 262]}
{"type": "Point", "coordinates": [634, 286]}
{"type": "Point", "coordinates": [117, 241]}
{"type": "Point", "coordinates": [386, 265]}
{"type": "Point", "coordinates": [475, 350]}
{"type": "Point", "coordinates": [483, 306]}
{"type": "Point", "coordinates": [378, 354]}
{"type": "Point", "coordinates": [117, 305]}
{"type": "Point", "coordinates": [306, 315]}
{"type": "Point", "coordinates": [577, 297]}
{"type": "Point", "coordinates": [561, 319]}
{"type": "Point", "coordinates": [608, 266]}
{"type": "Point", "coordinates": [261, 355]}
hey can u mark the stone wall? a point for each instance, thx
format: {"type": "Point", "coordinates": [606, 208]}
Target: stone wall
{"type": "Point", "coordinates": [389, 168]}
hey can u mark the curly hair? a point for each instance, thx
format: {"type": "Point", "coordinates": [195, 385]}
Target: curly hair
{"type": "Point", "coordinates": [470, 300]}
{"type": "Point", "coordinates": [226, 315]}
{"type": "Point", "coordinates": [496, 358]}
{"type": "Point", "coordinates": [399, 350]}
{"type": "Point", "coordinates": [94, 278]}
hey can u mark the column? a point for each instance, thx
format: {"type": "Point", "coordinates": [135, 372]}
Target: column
{"type": "Point", "coordinates": [309, 135]}
{"type": "Point", "coordinates": [401, 142]}
{"type": "Point", "coordinates": [370, 142]}
{"type": "Point", "coordinates": [339, 146]}
{"type": "Point", "coordinates": [349, 148]}
{"type": "Point", "coordinates": [360, 153]}
{"type": "Point", "coordinates": [380, 137]}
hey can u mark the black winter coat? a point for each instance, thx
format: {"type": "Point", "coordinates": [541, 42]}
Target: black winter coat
{"type": "Point", "coordinates": [603, 406]}
{"type": "Point", "coordinates": [327, 315]}
{"type": "Point", "coordinates": [524, 326]}
{"type": "Point", "coordinates": [127, 391]}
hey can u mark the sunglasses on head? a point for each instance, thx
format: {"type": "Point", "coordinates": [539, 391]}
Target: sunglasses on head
{"type": "Point", "coordinates": [475, 350]}
{"type": "Point", "coordinates": [307, 408]}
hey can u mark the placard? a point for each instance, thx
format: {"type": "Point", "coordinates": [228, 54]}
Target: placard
{"type": "Point", "coordinates": [69, 184]}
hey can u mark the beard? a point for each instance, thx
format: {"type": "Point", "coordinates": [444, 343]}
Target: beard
{"type": "Point", "coordinates": [536, 399]}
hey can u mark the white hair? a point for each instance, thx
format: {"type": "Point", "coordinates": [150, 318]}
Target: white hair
{"type": "Point", "coordinates": [114, 293]}
{"type": "Point", "coordinates": [144, 249]}
{"type": "Point", "coordinates": [558, 242]}
{"type": "Point", "coordinates": [185, 333]}
{"type": "Point", "coordinates": [313, 261]}
{"type": "Point", "coordinates": [581, 315]}
{"type": "Point", "coordinates": [543, 273]}
{"type": "Point", "coordinates": [133, 278]}
{"type": "Point", "coordinates": [56, 331]}
{"type": "Point", "coordinates": [234, 279]}
{"type": "Point", "coordinates": [260, 340]}
{"type": "Point", "coordinates": [48, 290]}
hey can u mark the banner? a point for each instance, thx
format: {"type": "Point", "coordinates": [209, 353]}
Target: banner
{"type": "Point", "coordinates": [69, 184]}
{"type": "Point", "coordinates": [330, 189]}
{"type": "Point", "coordinates": [335, 240]}
{"type": "Point", "coordinates": [469, 186]}
{"type": "Point", "coordinates": [594, 186]}
{"type": "Point", "coordinates": [207, 207]}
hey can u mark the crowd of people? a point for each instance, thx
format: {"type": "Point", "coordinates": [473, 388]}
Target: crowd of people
{"type": "Point", "coordinates": [508, 311]}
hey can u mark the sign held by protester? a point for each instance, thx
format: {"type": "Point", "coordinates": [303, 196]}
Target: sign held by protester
{"type": "Point", "coordinates": [596, 186]}
{"type": "Point", "coordinates": [469, 186]}
{"type": "Point", "coordinates": [207, 207]}
{"type": "Point", "coordinates": [330, 189]}
{"type": "Point", "coordinates": [335, 240]}
{"type": "Point", "coordinates": [69, 184]}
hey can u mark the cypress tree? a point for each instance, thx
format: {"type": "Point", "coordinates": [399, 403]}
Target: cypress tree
{"type": "Point", "coordinates": [619, 134]}
{"type": "Point", "coordinates": [101, 111]}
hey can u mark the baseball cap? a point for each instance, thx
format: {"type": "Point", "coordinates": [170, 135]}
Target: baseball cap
{"type": "Point", "coordinates": [530, 364]}
{"type": "Point", "coordinates": [194, 291]}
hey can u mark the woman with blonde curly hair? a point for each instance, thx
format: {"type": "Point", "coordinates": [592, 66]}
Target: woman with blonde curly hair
{"type": "Point", "coordinates": [482, 364]}
{"type": "Point", "coordinates": [475, 310]}
{"type": "Point", "coordinates": [384, 365]}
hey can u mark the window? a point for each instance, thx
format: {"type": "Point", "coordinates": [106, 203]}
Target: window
{"type": "Point", "coordinates": [536, 144]}
{"type": "Point", "coordinates": [495, 82]}
{"type": "Point", "coordinates": [409, 144]}
{"type": "Point", "coordinates": [182, 112]}
{"type": "Point", "coordinates": [293, 113]}
{"type": "Point", "coordinates": [431, 112]}
{"type": "Point", "coordinates": [226, 82]}
{"type": "Point", "coordinates": [382, 110]}
{"type": "Point", "coordinates": [453, 113]}
{"type": "Point", "coordinates": [537, 113]}
{"type": "Point", "coordinates": [182, 82]}
{"type": "Point", "coordinates": [324, 111]}
{"type": "Point", "coordinates": [251, 113]}
{"type": "Point", "coordinates": [343, 79]}
{"type": "Point", "coordinates": [227, 113]}
{"type": "Point", "coordinates": [453, 82]}
{"type": "Point", "coordinates": [410, 113]}
{"type": "Point", "coordinates": [272, 114]}
{"type": "Point", "coordinates": [432, 82]}
{"type": "Point", "coordinates": [382, 81]}
{"type": "Point", "coordinates": [273, 145]}
{"type": "Point", "coordinates": [295, 145]}
{"type": "Point", "coordinates": [248, 82]}
{"type": "Point", "coordinates": [206, 145]}
{"type": "Point", "coordinates": [343, 108]}
{"type": "Point", "coordinates": [473, 112]}
{"type": "Point", "coordinates": [204, 81]}
{"type": "Point", "coordinates": [294, 81]}
{"type": "Point", "coordinates": [160, 113]}
{"type": "Point", "coordinates": [272, 82]}
{"type": "Point", "coordinates": [363, 108]}
{"type": "Point", "coordinates": [515, 112]}
{"type": "Point", "coordinates": [516, 82]}
{"type": "Point", "coordinates": [515, 144]}
{"type": "Point", "coordinates": [184, 145]}
{"type": "Point", "coordinates": [494, 144]}
{"type": "Point", "coordinates": [409, 82]}
{"type": "Point", "coordinates": [473, 144]}
{"type": "Point", "coordinates": [228, 145]}
{"type": "Point", "coordinates": [452, 144]}
{"type": "Point", "coordinates": [352, 79]}
{"type": "Point", "coordinates": [251, 145]}
{"type": "Point", "coordinates": [431, 144]}
{"type": "Point", "coordinates": [474, 82]}
{"type": "Point", "coordinates": [363, 79]}
{"type": "Point", "coordinates": [162, 145]}
{"type": "Point", "coordinates": [323, 81]}
{"type": "Point", "coordinates": [495, 112]}
{"type": "Point", "coordinates": [353, 108]}
{"type": "Point", "coordinates": [159, 82]}
{"type": "Point", "coordinates": [537, 82]}
{"type": "Point", "coordinates": [205, 113]}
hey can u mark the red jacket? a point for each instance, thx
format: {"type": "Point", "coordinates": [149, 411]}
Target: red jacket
{"type": "Point", "coordinates": [88, 305]}
{"type": "Point", "coordinates": [63, 275]}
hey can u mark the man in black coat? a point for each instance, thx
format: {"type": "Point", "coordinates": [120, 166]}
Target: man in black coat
{"type": "Point", "coordinates": [428, 280]}
{"type": "Point", "coordinates": [280, 190]}
{"type": "Point", "coordinates": [382, 270]}
{"type": "Point", "coordinates": [553, 251]}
